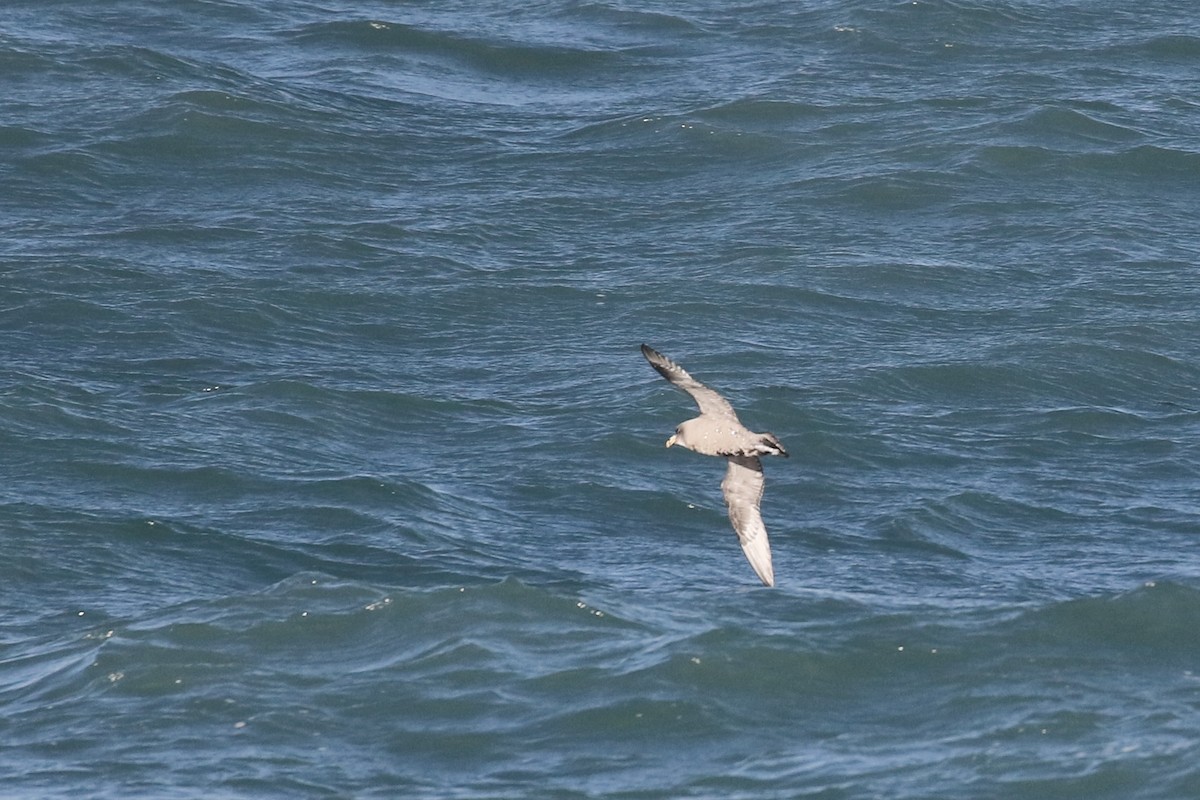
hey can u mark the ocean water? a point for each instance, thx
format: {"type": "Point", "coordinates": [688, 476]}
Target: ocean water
{"type": "Point", "coordinates": [329, 466]}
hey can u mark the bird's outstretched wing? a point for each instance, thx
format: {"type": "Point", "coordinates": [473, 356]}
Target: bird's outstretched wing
{"type": "Point", "coordinates": [709, 401]}
{"type": "Point", "coordinates": [743, 488]}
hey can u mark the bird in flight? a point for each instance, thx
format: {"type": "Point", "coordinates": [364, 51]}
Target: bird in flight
{"type": "Point", "coordinates": [719, 432]}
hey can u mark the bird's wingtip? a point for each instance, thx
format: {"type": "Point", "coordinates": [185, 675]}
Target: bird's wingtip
{"type": "Point", "coordinates": [758, 553]}
{"type": "Point", "coordinates": [656, 359]}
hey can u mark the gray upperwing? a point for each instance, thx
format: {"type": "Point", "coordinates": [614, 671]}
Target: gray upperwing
{"type": "Point", "coordinates": [743, 488]}
{"type": "Point", "coordinates": [709, 401]}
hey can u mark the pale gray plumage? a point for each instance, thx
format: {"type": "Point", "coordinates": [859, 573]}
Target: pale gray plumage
{"type": "Point", "coordinates": [719, 432]}
{"type": "Point", "coordinates": [743, 488]}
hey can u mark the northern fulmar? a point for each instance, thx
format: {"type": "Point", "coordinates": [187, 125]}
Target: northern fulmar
{"type": "Point", "coordinates": [719, 432]}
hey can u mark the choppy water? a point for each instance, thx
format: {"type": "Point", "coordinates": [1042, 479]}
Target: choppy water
{"type": "Point", "coordinates": [329, 466]}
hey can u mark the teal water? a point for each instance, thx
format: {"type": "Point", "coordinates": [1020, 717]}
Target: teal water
{"type": "Point", "coordinates": [329, 466]}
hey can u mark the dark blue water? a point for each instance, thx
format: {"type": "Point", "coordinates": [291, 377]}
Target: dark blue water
{"type": "Point", "coordinates": [329, 466]}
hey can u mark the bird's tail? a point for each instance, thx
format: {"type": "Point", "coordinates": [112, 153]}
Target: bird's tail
{"type": "Point", "coordinates": [768, 445]}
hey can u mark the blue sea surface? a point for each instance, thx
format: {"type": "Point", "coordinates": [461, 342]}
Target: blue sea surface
{"type": "Point", "coordinates": [329, 466]}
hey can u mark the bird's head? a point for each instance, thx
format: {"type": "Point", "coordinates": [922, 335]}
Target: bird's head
{"type": "Point", "coordinates": [681, 436]}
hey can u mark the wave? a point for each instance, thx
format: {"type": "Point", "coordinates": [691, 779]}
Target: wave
{"type": "Point", "coordinates": [468, 678]}
{"type": "Point", "coordinates": [493, 55]}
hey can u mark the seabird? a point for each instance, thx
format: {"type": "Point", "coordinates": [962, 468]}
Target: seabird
{"type": "Point", "coordinates": [719, 432]}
